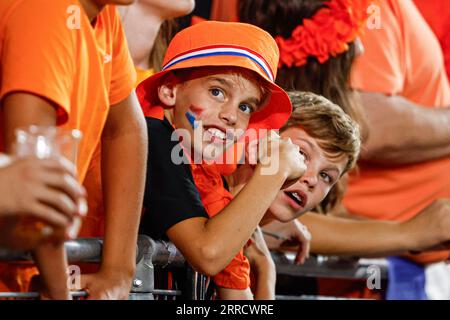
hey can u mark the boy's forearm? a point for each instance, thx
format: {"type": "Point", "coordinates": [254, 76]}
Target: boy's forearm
{"type": "Point", "coordinates": [51, 260]}
{"type": "Point", "coordinates": [265, 283]}
{"type": "Point", "coordinates": [234, 294]}
{"type": "Point", "coordinates": [346, 237]}
{"type": "Point", "coordinates": [230, 230]}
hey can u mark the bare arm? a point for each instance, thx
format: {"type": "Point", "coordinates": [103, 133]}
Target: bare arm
{"type": "Point", "coordinates": [341, 236]}
{"type": "Point", "coordinates": [124, 156]}
{"type": "Point", "coordinates": [210, 244]}
{"type": "Point", "coordinates": [262, 266]}
{"type": "Point", "coordinates": [401, 132]}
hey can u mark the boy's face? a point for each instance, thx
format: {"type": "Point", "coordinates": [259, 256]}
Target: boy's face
{"type": "Point", "coordinates": [321, 174]}
{"type": "Point", "coordinates": [221, 105]}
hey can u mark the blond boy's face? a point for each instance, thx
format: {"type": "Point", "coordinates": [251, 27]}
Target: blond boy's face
{"type": "Point", "coordinates": [321, 174]}
{"type": "Point", "coordinates": [215, 110]}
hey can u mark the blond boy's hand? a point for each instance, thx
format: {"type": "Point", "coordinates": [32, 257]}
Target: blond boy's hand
{"type": "Point", "coordinates": [293, 233]}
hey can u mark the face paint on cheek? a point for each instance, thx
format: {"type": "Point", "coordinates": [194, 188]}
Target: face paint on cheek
{"type": "Point", "coordinates": [192, 115]}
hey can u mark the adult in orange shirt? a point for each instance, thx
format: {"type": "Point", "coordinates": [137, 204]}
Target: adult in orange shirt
{"type": "Point", "coordinates": [437, 15]}
{"type": "Point", "coordinates": [146, 32]}
{"type": "Point", "coordinates": [405, 92]}
{"type": "Point", "coordinates": [70, 66]}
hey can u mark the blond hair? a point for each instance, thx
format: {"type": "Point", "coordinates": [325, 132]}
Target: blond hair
{"type": "Point", "coordinates": [335, 132]}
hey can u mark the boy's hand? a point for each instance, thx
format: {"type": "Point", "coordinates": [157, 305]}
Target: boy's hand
{"type": "Point", "coordinates": [281, 155]}
{"type": "Point", "coordinates": [288, 234]}
{"type": "Point", "coordinates": [107, 285]}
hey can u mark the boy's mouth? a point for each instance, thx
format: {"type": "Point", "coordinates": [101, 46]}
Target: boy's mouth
{"type": "Point", "coordinates": [300, 198]}
{"type": "Point", "coordinates": [218, 134]}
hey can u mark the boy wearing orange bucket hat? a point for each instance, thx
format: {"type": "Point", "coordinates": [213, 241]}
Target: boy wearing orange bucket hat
{"type": "Point", "coordinates": [216, 83]}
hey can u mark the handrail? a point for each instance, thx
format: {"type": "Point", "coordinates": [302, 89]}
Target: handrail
{"type": "Point", "coordinates": [149, 253]}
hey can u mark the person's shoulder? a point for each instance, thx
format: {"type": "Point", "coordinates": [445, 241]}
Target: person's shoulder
{"type": "Point", "coordinates": [47, 14]}
{"type": "Point", "coordinates": [44, 7]}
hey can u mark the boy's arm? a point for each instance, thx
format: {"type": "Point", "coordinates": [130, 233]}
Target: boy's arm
{"type": "Point", "coordinates": [124, 156]}
{"type": "Point", "coordinates": [234, 294]}
{"type": "Point", "coordinates": [262, 266]}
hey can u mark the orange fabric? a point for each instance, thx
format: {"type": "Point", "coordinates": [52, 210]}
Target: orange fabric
{"type": "Point", "coordinates": [143, 74]}
{"type": "Point", "coordinates": [215, 197]}
{"type": "Point", "coordinates": [226, 11]}
{"type": "Point", "coordinates": [94, 224]}
{"type": "Point", "coordinates": [395, 62]}
{"type": "Point", "coordinates": [437, 14]}
{"type": "Point", "coordinates": [81, 70]}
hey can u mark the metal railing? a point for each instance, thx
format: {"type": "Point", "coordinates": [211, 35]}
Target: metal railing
{"type": "Point", "coordinates": [150, 254]}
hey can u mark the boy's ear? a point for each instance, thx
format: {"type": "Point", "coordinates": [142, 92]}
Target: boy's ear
{"type": "Point", "coordinates": [167, 94]}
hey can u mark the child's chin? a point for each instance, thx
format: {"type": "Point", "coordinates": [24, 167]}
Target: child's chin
{"type": "Point", "coordinates": [215, 153]}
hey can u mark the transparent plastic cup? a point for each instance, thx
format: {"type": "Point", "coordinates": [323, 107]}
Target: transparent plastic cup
{"type": "Point", "coordinates": [45, 142]}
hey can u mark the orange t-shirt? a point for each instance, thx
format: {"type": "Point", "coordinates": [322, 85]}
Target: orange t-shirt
{"type": "Point", "coordinates": [93, 182]}
{"type": "Point", "coordinates": [57, 54]}
{"type": "Point", "coordinates": [401, 58]}
{"type": "Point", "coordinates": [437, 14]}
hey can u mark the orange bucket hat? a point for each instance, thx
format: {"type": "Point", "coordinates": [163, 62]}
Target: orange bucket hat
{"type": "Point", "coordinates": [213, 43]}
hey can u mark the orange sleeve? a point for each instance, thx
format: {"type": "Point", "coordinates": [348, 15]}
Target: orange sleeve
{"type": "Point", "coordinates": [236, 274]}
{"type": "Point", "coordinates": [123, 77]}
{"type": "Point", "coordinates": [38, 53]}
{"type": "Point", "coordinates": [381, 67]}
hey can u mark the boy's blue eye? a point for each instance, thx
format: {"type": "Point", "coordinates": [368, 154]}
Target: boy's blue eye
{"type": "Point", "coordinates": [246, 108]}
{"type": "Point", "coordinates": [217, 92]}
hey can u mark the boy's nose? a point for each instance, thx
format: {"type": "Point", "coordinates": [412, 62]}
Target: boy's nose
{"type": "Point", "coordinates": [309, 179]}
{"type": "Point", "coordinates": [228, 113]}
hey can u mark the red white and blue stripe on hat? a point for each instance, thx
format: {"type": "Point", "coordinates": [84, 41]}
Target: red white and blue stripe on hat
{"type": "Point", "coordinates": [225, 50]}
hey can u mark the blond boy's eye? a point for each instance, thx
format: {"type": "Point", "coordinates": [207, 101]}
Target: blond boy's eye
{"type": "Point", "coordinates": [326, 177]}
{"type": "Point", "coordinates": [303, 154]}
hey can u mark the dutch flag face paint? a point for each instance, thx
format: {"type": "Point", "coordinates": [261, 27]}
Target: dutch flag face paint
{"type": "Point", "coordinates": [192, 115]}
{"type": "Point", "coordinates": [192, 118]}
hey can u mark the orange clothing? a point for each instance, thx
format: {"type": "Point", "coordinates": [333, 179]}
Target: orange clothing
{"type": "Point", "coordinates": [401, 58]}
{"type": "Point", "coordinates": [437, 14]}
{"type": "Point", "coordinates": [82, 69]}
{"type": "Point", "coordinates": [143, 74]}
{"type": "Point", "coordinates": [94, 225]}
{"type": "Point", "coordinates": [226, 11]}
{"type": "Point", "coordinates": [215, 197]}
